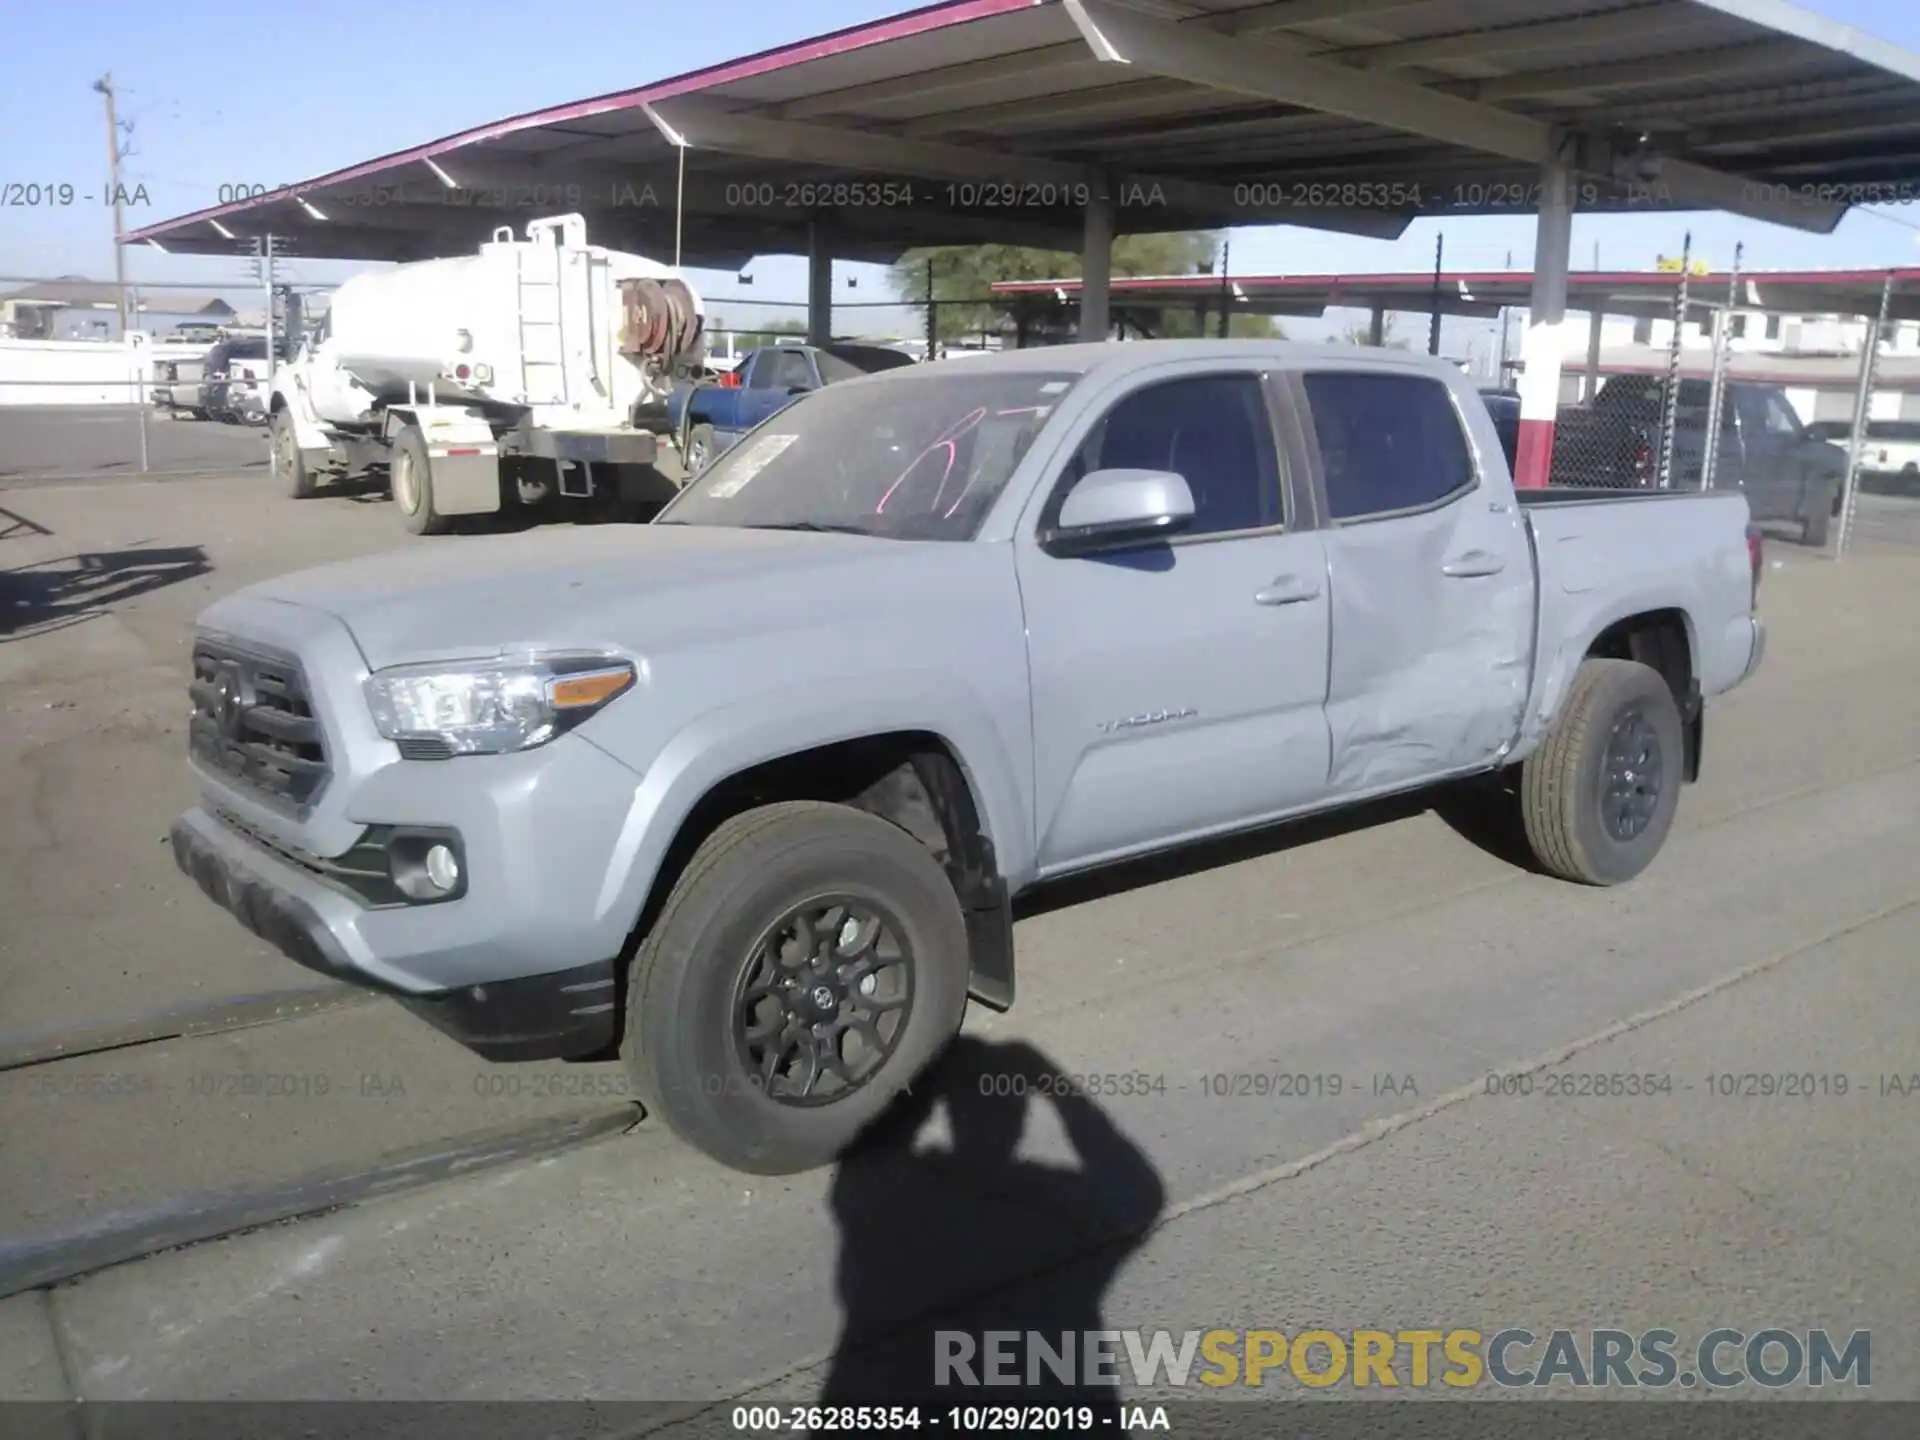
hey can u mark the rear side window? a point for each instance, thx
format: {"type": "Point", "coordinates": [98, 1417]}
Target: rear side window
{"type": "Point", "coordinates": [1387, 442]}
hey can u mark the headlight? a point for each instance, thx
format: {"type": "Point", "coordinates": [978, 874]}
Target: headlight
{"type": "Point", "coordinates": [494, 706]}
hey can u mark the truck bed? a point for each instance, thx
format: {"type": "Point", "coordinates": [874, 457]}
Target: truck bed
{"type": "Point", "coordinates": [1587, 494]}
{"type": "Point", "coordinates": [1602, 554]}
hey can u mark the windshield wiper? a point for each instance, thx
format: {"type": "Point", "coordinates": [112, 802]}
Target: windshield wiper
{"type": "Point", "coordinates": [813, 527]}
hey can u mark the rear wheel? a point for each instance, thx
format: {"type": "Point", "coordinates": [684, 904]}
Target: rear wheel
{"type": "Point", "coordinates": [288, 466]}
{"type": "Point", "coordinates": [810, 961]}
{"type": "Point", "coordinates": [1813, 527]}
{"type": "Point", "coordinates": [412, 477]}
{"type": "Point", "coordinates": [1598, 797]}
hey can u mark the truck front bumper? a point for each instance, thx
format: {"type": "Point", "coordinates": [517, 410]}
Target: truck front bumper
{"type": "Point", "coordinates": [562, 1015]}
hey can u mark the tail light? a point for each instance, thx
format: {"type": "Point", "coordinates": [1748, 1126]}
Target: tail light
{"type": "Point", "coordinates": [169, 372]}
{"type": "Point", "coordinates": [246, 372]}
{"type": "Point", "coordinates": [1757, 559]}
{"type": "Point", "coordinates": [462, 371]}
{"type": "Point", "coordinates": [730, 380]}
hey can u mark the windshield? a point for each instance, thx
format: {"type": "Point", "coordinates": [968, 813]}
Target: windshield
{"type": "Point", "coordinates": [901, 458]}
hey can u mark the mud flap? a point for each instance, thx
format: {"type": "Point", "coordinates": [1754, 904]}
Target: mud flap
{"type": "Point", "coordinates": [464, 484]}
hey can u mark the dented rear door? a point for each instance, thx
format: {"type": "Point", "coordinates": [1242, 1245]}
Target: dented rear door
{"type": "Point", "coordinates": [1430, 577]}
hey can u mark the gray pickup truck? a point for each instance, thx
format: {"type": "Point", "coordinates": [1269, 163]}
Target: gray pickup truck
{"type": "Point", "coordinates": [748, 791]}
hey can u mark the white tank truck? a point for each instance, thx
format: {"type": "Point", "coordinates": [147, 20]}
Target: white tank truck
{"type": "Point", "coordinates": [526, 374]}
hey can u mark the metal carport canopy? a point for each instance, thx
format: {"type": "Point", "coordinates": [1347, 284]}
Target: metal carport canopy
{"type": "Point", "coordinates": [1484, 294]}
{"type": "Point", "coordinates": [998, 120]}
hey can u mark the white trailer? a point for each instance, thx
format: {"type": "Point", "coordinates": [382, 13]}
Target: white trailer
{"type": "Point", "coordinates": [524, 374]}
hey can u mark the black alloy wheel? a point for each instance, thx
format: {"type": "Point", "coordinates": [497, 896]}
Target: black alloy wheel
{"type": "Point", "coordinates": [823, 999]}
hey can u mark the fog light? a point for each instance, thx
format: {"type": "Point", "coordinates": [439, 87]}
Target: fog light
{"type": "Point", "coordinates": [427, 867]}
{"type": "Point", "coordinates": [442, 868]}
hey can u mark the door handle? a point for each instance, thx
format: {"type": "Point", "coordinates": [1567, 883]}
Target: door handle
{"type": "Point", "coordinates": [1287, 590]}
{"type": "Point", "coordinates": [1474, 562]}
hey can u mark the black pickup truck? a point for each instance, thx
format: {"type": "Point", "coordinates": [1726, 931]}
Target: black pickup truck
{"type": "Point", "coordinates": [1788, 473]}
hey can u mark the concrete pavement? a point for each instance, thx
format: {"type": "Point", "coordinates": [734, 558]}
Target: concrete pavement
{"type": "Point", "coordinates": [1397, 963]}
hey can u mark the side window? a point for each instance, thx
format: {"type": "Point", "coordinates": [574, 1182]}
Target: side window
{"type": "Point", "coordinates": [1780, 417]}
{"type": "Point", "coordinates": [1387, 442]}
{"type": "Point", "coordinates": [791, 369]}
{"type": "Point", "coordinates": [760, 370]}
{"type": "Point", "coordinates": [1211, 430]}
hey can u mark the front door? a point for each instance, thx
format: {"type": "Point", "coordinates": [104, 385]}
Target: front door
{"type": "Point", "coordinates": [1177, 686]}
{"type": "Point", "coordinates": [1432, 584]}
{"type": "Point", "coordinates": [1773, 476]}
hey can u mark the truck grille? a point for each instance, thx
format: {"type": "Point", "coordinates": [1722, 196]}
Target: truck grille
{"type": "Point", "coordinates": [253, 722]}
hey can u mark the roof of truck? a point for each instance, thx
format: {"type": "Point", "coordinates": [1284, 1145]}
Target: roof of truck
{"type": "Point", "coordinates": [1119, 355]}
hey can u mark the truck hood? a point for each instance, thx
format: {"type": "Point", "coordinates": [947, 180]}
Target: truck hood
{"type": "Point", "coordinates": [614, 587]}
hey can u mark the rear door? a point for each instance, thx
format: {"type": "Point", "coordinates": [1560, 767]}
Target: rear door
{"type": "Point", "coordinates": [1177, 686]}
{"type": "Point", "coordinates": [1432, 583]}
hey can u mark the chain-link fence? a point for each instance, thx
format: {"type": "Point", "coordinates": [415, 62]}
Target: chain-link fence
{"type": "Point", "coordinates": [1685, 409]}
{"type": "Point", "coordinates": [97, 380]}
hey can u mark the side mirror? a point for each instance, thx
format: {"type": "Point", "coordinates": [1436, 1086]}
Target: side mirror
{"type": "Point", "coordinates": [1111, 509]}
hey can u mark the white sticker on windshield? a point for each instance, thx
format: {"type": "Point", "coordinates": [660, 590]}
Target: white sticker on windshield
{"type": "Point", "coordinates": [762, 453]}
{"type": "Point", "coordinates": [1054, 387]}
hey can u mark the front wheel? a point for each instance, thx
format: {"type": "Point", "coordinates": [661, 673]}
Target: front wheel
{"type": "Point", "coordinates": [699, 449]}
{"type": "Point", "coordinates": [811, 960]}
{"type": "Point", "coordinates": [1598, 797]}
{"type": "Point", "coordinates": [412, 478]}
{"type": "Point", "coordinates": [289, 468]}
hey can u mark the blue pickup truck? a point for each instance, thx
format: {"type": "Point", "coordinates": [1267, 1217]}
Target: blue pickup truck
{"type": "Point", "coordinates": [709, 418]}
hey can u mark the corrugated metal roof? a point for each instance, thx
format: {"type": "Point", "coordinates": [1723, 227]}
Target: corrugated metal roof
{"type": "Point", "coordinates": [990, 119]}
{"type": "Point", "coordinates": [1486, 293]}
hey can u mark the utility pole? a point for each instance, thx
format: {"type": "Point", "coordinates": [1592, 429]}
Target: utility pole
{"type": "Point", "coordinates": [263, 247]}
{"type": "Point", "coordinates": [104, 85]}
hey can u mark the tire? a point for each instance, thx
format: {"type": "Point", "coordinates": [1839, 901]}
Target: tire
{"type": "Point", "coordinates": [699, 452]}
{"type": "Point", "coordinates": [412, 481]}
{"type": "Point", "coordinates": [289, 467]}
{"type": "Point", "coordinates": [689, 1053]}
{"type": "Point", "coordinates": [1813, 528]}
{"type": "Point", "coordinates": [1564, 784]}
{"type": "Point", "coordinates": [197, 413]}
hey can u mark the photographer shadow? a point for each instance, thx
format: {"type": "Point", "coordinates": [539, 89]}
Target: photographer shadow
{"type": "Point", "coordinates": [941, 1244]}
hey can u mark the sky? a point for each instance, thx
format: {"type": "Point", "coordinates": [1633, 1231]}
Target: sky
{"type": "Point", "coordinates": [254, 96]}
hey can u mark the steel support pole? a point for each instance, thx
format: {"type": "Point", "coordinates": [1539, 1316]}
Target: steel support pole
{"type": "Point", "coordinates": [819, 285]}
{"type": "Point", "coordinates": [1096, 268]}
{"type": "Point", "coordinates": [1596, 323]}
{"type": "Point", "coordinates": [1540, 351]}
{"type": "Point", "coordinates": [1377, 327]}
{"type": "Point", "coordinates": [1862, 413]}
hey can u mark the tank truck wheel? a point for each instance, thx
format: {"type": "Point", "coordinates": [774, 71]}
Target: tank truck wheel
{"type": "Point", "coordinates": [412, 478]}
{"type": "Point", "coordinates": [288, 466]}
